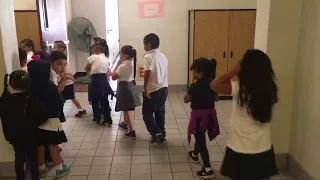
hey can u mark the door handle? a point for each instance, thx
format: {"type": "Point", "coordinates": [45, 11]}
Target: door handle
{"type": "Point", "coordinates": [231, 54]}
{"type": "Point", "coordinates": [224, 54]}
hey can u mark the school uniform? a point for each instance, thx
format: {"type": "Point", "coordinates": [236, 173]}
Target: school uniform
{"type": "Point", "coordinates": [50, 132]}
{"type": "Point", "coordinates": [20, 117]}
{"type": "Point", "coordinates": [203, 118]}
{"type": "Point", "coordinates": [127, 93]}
{"type": "Point", "coordinates": [249, 153]}
{"type": "Point", "coordinates": [153, 109]}
{"type": "Point", "coordinates": [100, 88]}
{"type": "Point", "coordinates": [68, 91]}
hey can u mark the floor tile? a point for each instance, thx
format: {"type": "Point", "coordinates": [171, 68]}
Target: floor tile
{"type": "Point", "coordinates": [120, 169]}
{"type": "Point", "coordinates": [140, 177]}
{"type": "Point", "coordinates": [121, 160]}
{"type": "Point", "coordinates": [140, 168]}
{"type": "Point", "coordinates": [119, 177]}
{"type": "Point", "coordinates": [158, 168]}
{"type": "Point", "coordinates": [100, 170]}
{"type": "Point", "coordinates": [102, 161]}
{"type": "Point", "coordinates": [104, 152]}
{"type": "Point", "coordinates": [178, 158]}
{"type": "Point", "coordinates": [162, 176]}
{"type": "Point", "coordinates": [80, 170]}
{"type": "Point", "coordinates": [159, 159]}
{"type": "Point", "coordinates": [86, 153]}
{"type": "Point", "coordinates": [98, 177]}
{"type": "Point", "coordinates": [180, 167]}
{"type": "Point", "coordinates": [183, 176]}
{"type": "Point", "coordinates": [83, 161]}
{"type": "Point", "coordinates": [76, 178]}
{"type": "Point", "coordinates": [140, 159]}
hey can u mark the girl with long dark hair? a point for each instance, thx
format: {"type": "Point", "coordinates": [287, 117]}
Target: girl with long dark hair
{"type": "Point", "coordinates": [250, 153]}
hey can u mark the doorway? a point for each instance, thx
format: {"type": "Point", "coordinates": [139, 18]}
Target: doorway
{"type": "Point", "coordinates": [224, 35]}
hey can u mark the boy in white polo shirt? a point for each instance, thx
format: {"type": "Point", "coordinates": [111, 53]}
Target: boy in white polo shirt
{"type": "Point", "coordinates": [68, 91]}
{"type": "Point", "coordinates": [155, 88]}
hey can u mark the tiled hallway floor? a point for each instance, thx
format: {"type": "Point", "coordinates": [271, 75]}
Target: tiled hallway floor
{"type": "Point", "coordinates": [102, 153]}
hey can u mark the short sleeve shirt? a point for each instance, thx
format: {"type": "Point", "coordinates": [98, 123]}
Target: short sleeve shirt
{"type": "Point", "coordinates": [202, 96]}
{"type": "Point", "coordinates": [125, 71]}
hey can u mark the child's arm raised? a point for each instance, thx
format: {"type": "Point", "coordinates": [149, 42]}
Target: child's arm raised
{"type": "Point", "coordinates": [223, 84]}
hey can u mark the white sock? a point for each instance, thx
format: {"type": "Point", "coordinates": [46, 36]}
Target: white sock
{"type": "Point", "coordinates": [81, 109]}
{"type": "Point", "coordinates": [43, 167]}
{"type": "Point", "coordinates": [158, 134]}
{"type": "Point", "coordinates": [194, 155]}
{"type": "Point", "coordinates": [208, 169]}
{"type": "Point", "coordinates": [59, 167]}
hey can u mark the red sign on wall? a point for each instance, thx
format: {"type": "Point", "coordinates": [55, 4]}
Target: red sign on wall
{"type": "Point", "coordinates": [141, 72]}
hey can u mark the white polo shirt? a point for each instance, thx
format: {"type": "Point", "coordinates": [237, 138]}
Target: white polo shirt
{"type": "Point", "coordinates": [247, 135]}
{"type": "Point", "coordinates": [99, 64]}
{"type": "Point", "coordinates": [125, 71]}
{"type": "Point", "coordinates": [157, 63]}
{"type": "Point", "coordinates": [54, 77]}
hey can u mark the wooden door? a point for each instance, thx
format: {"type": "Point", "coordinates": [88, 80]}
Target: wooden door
{"type": "Point", "coordinates": [241, 36]}
{"type": "Point", "coordinates": [27, 26]}
{"type": "Point", "coordinates": [211, 31]}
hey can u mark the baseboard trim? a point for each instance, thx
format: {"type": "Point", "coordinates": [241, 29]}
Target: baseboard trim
{"type": "Point", "coordinates": [297, 171]}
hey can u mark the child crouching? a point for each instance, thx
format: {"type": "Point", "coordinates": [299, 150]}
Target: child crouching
{"type": "Point", "coordinates": [203, 115]}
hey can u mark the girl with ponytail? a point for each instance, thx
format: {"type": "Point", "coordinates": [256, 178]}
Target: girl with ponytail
{"type": "Point", "coordinates": [127, 92]}
{"type": "Point", "coordinates": [20, 117]}
{"type": "Point", "coordinates": [203, 117]}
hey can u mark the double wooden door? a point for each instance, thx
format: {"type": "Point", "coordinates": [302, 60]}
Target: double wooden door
{"type": "Point", "coordinates": [222, 35]}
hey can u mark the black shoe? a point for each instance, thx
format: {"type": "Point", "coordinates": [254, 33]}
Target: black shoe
{"type": "Point", "coordinates": [131, 135]}
{"type": "Point", "coordinates": [109, 124]}
{"type": "Point", "coordinates": [193, 157]}
{"type": "Point", "coordinates": [98, 122]}
{"type": "Point", "coordinates": [81, 113]}
{"type": "Point", "coordinates": [162, 139]}
{"type": "Point", "coordinates": [203, 174]}
{"type": "Point", "coordinates": [156, 139]}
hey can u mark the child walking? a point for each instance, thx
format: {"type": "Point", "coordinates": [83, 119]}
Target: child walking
{"type": "Point", "coordinates": [50, 133]}
{"type": "Point", "coordinates": [127, 92]}
{"type": "Point", "coordinates": [249, 153]}
{"type": "Point", "coordinates": [155, 89]}
{"type": "Point", "coordinates": [68, 91]}
{"type": "Point", "coordinates": [203, 115]}
{"type": "Point", "coordinates": [20, 117]}
{"type": "Point", "coordinates": [98, 66]}
{"type": "Point", "coordinates": [28, 46]}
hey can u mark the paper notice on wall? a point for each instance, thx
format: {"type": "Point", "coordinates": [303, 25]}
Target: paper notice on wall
{"type": "Point", "coordinates": [151, 8]}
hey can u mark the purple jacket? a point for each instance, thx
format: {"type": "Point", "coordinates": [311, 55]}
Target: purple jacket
{"type": "Point", "coordinates": [207, 121]}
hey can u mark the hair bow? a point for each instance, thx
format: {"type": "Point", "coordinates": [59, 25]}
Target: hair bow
{"type": "Point", "coordinates": [35, 57]}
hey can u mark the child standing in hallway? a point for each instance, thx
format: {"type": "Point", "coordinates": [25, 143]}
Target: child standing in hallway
{"type": "Point", "coordinates": [28, 46]}
{"type": "Point", "coordinates": [68, 91]}
{"type": "Point", "coordinates": [50, 132]}
{"type": "Point", "coordinates": [249, 154]}
{"type": "Point", "coordinates": [127, 92]}
{"type": "Point", "coordinates": [20, 117]}
{"type": "Point", "coordinates": [155, 88]}
{"type": "Point", "coordinates": [203, 115]}
{"type": "Point", "coordinates": [98, 66]}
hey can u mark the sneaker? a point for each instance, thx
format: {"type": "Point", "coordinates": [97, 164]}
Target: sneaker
{"type": "Point", "coordinates": [156, 139]}
{"type": "Point", "coordinates": [193, 157]}
{"type": "Point", "coordinates": [123, 127]}
{"type": "Point", "coordinates": [109, 124]}
{"type": "Point", "coordinates": [131, 135]}
{"type": "Point", "coordinates": [43, 173]}
{"type": "Point", "coordinates": [162, 139]}
{"type": "Point", "coordinates": [81, 113]}
{"type": "Point", "coordinates": [61, 173]}
{"type": "Point", "coordinates": [203, 174]}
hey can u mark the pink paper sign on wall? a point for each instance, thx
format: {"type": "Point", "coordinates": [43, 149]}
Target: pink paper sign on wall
{"type": "Point", "coordinates": [151, 8]}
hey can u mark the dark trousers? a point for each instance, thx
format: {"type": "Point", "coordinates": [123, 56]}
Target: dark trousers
{"type": "Point", "coordinates": [200, 146]}
{"type": "Point", "coordinates": [153, 111]}
{"type": "Point", "coordinates": [26, 153]}
{"type": "Point", "coordinates": [99, 91]}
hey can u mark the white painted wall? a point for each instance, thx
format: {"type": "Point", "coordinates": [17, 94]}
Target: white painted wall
{"type": "Point", "coordinates": [71, 50]}
{"type": "Point", "coordinates": [305, 144]}
{"type": "Point", "coordinates": [9, 61]}
{"type": "Point", "coordinates": [25, 4]}
{"type": "Point", "coordinates": [262, 24]}
{"type": "Point", "coordinates": [172, 29]}
{"type": "Point", "coordinates": [95, 12]}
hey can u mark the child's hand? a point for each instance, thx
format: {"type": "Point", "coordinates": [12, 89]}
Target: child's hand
{"type": "Point", "coordinates": [68, 76]}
